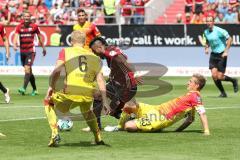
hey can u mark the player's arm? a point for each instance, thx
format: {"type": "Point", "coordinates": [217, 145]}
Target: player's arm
{"type": "Point", "coordinates": [228, 42]}
{"type": "Point", "coordinates": [128, 70]}
{"type": "Point", "coordinates": [187, 122]}
{"type": "Point", "coordinates": [56, 74]}
{"type": "Point", "coordinates": [96, 31]}
{"type": "Point", "coordinates": [102, 87]}
{"type": "Point", "coordinates": [203, 117]}
{"type": "Point", "coordinates": [223, 33]}
{"type": "Point", "coordinates": [204, 42]}
{"type": "Point", "coordinates": [41, 43]}
{"type": "Point", "coordinates": [6, 44]}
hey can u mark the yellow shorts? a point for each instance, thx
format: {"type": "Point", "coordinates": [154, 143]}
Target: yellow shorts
{"type": "Point", "coordinates": [64, 102]}
{"type": "Point", "coordinates": [152, 121]}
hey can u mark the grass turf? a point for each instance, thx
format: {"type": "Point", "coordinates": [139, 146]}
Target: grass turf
{"type": "Point", "coordinates": [27, 139]}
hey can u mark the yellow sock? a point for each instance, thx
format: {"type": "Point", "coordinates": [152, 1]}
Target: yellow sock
{"type": "Point", "coordinates": [52, 119]}
{"type": "Point", "coordinates": [91, 120]}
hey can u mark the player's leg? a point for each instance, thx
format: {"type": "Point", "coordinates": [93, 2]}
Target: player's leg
{"type": "Point", "coordinates": [59, 102]}
{"type": "Point", "coordinates": [97, 109]}
{"type": "Point", "coordinates": [125, 96]}
{"type": "Point", "coordinates": [221, 74]}
{"type": "Point", "coordinates": [27, 70]}
{"type": "Point", "coordinates": [52, 120]}
{"type": "Point", "coordinates": [218, 82]}
{"type": "Point", "coordinates": [23, 57]}
{"type": "Point", "coordinates": [32, 77]}
{"type": "Point", "coordinates": [91, 120]}
{"type": "Point", "coordinates": [5, 92]}
{"type": "Point", "coordinates": [213, 66]}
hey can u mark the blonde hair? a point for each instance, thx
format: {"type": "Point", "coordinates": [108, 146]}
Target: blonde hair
{"type": "Point", "coordinates": [78, 37]}
{"type": "Point", "coordinates": [201, 80]}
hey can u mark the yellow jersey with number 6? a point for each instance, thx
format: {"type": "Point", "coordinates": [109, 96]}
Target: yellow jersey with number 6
{"type": "Point", "coordinates": [81, 67]}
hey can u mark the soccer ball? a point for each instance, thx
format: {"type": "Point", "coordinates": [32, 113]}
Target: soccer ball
{"type": "Point", "coordinates": [65, 124]}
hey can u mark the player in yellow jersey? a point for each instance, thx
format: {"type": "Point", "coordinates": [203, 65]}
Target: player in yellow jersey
{"type": "Point", "coordinates": [82, 70]}
{"type": "Point", "coordinates": [89, 28]}
{"type": "Point", "coordinates": [149, 118]}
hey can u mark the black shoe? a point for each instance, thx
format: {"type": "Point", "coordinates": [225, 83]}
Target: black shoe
{"type": "Point", "coordinates": [223, 95]}
{"type": "Point", "coordinates": [100, 143]}
{"type": "Point", "coordinates": [235, 85]}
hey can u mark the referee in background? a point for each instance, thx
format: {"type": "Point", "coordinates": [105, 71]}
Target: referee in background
{"type": "Point", "coordinates": [219, 41]}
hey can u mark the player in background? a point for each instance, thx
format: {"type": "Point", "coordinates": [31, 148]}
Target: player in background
{"type": "Point", "coordinates": [122, 85]}
{"type": "Point", "coordinates": [219, 41]}
{"type": "Point", "coordinates": [25, 33]}
{"type": "Point", "coordinates": [89, 28]}
{"type": "Point", "coordinates": [149, 118]}
{"type": "Point", "coordinates": [82, 69]}
{"type": "Point", "coordinates": [6, 44]}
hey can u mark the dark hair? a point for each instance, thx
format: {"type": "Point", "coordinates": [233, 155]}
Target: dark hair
{"type": "Point", "coordinates": [102, 40]}
{"type": "Point", "coordinates": [81, 10]}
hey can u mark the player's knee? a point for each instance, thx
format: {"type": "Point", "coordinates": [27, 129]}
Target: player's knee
{"type": "Point", "coordinates": [214, 77]}
{"type": "Point", "coordinates": [130, 126]}
{"type": "Point", "coordinates": [221, 76]}
{"type": "Point", "coordinates": [27, 69]}
{"type": "Point", "coordinates": [97, 96]}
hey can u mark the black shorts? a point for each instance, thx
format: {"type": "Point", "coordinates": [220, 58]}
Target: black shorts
{"type": "Point", "coordinates": [198, 8]}
{"type": "Point", "coordinates": [27, 59]}
{"type": "Point", "coordinates": [217, 61]}
{"type": "Point", "coordinates": [119, 95]}
{"type": "Point", "coordinates": [188, 9]}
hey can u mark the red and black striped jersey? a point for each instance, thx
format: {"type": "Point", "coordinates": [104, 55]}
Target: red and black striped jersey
{"type": "Point", "coordinates": [26, 37]}
{"type": "Point", "coordinates": [121, 70]}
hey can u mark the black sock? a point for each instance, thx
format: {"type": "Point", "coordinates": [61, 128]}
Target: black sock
{"type": "Point", "coordinates": [219, 85]}
{"type": "Point", "coordinates": [2, 88]}
{"type": "Point", "coordinates": [97, 108]}
{"type": "Point", "coordinates": [226, 78]}
{"type": "Point", "coordinates": [32, 81]}
{"type": "Point", "coordinates": [26, 80]}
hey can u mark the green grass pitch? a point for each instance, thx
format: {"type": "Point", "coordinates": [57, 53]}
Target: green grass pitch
{"type": "Point", "coordinates": [28, 139]}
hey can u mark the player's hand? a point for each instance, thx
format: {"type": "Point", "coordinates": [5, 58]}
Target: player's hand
{"type": "Point", "coordinates": [206, 50]}
{"type": "Point", "coordinates": [44, 52]}
{"type": "Point", "coordinates": [225, 54]}
{"type": "Point", "coordinates": [206, 133]}
{"type": "Point", "coordinates": [49, 93]}
{"type": "Point", "coordinates": [106, 108]}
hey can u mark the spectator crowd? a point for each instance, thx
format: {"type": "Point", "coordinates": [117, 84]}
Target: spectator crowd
{"type": "Point", "coordinates": [64, 12]}
{"type": "Point", "coordinates": [223, 11]}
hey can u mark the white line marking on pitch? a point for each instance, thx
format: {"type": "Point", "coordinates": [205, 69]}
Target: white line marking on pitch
{"type": "Point", "coordinates": [37, 118]}
{"type": "Point", "coordinates": [23, 119]}
{"type": "Point", "coordinates": [10, 107]}
{"type": "Point", "coordinates": [216, 108]}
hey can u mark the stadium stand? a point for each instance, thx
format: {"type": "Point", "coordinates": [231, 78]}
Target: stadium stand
{"type": "Point", "coordinates": [53, 12]}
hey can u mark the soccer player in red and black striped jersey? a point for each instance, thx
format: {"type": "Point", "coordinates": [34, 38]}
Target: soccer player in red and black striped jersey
{"type": "Point", "coordinates": [6, 44]}
{"type": "Point", "coordinates": [122, 85]}
{"type": "Point", "coordinates": [25, 32]}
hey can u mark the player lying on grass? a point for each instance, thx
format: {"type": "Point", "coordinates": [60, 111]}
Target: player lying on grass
{"type": "Point", "coordinates": [149, 118]}
{"type": "Point", "coordinates": [82, 69]}
{"type": "Point", "coordinates": [122, 84]}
